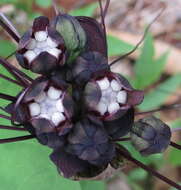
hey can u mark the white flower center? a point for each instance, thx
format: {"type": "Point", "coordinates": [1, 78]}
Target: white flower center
{"type": "Point", "coordinates": [41, 43]}
{"type": "Point", "coordinates": [113, 96]}
{"type": "Point", "coordinates": [49, 105]}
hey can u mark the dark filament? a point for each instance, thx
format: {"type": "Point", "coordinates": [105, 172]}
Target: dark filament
{"type": "Point", "coordinates": [16, 139]}
{"type": "Point", "coordinates": [12, 128]}
{"type": "Point", "coordinates": [167, 107]}
{"type": "Point", "coordinates": [150, 170]}
{"type": "Point", "coordinates": [140, 42]}
{"type": "Point", "coordinates": [177, 146]}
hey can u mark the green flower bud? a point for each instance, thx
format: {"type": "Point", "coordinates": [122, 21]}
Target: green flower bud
{"type": "Point", "coordinates": [73, 34]}
{"type": "Point", "coordinates": [150, 135]}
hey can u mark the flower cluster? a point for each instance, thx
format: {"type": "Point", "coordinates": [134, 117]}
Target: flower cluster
{"type": "Point", "coordinates": [77, 106]}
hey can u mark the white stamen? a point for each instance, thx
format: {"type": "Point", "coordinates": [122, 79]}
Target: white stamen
{"type": "Point", "coordinates": [103, 83]}
{"type": "Point", "coordinates": [30, 55]}
{"type": "Point", "coordinates": [51, 43]}
{"type": "Point", "coordinates": [55, 52]}
{"type": "Point", "coordinates": [102, 108]}
{"type": "Point", "coordinates": [59, 106]}
{"type": "Point", "coordinates": [121, 97]}
{"type": "Point", "coordinates": [41, 36]}
{"type": "Point", "coordinates": [34, 109]}
{"type": "Point", "coordinates": [115, 85]}
{"type": "Point", "coordinates": [113, 107]}
{"type": "Point", "coordinates": [32, 44]}
{"type": "Point", "coordinates": [41, 44]}
{"type": "Point", "coordinates": [45, 116]}
{"type": "Point", "coordinates": [54, 93]}
{"type": "Point", "coordinates": [57, 118]}
{"type": "Point", "coordinates": [37, 51]}
{"type": "Point", "coordinates": [41, 97]}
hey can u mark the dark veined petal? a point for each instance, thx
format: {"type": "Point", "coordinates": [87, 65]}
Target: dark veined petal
{"type": "Point", "coordinates": [68, 165]}
{"type": "Point", "coordinates": [95, 35]}
{"type": "Point", "coordinates": [150, 135]}
{"type": "Point", "coordinates": [121, 126]}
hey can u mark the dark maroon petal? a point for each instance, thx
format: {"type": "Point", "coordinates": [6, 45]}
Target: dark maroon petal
{"type": "Point", "coordinates": [63, 129]}
{"type": "Point", "coordinates": [42, 125]}
{"type": "Point", "coordinates": [56, 36]}
{"type": "Point", "coordinates": [25, 39]}
{"type": "Point", "coordinates": [92, 94]}
{"type": "Point", "coordinates": [105, 158]}
{"type": "Point", "coordinates": [22, 61]}
{"type": "Point", "coordinates": [89, 154]}
{"type": "Point", "coordinates": [135, 97]}
{"type": "Point", "coordinates": [87, 65]}
{"type": "Point", "coordinates": [121, 126]}
{"type": "Point", "coordinates": [68, 105]}
{"type": "Point", "coordinates": [40, 24]}
{"type": "Point", "coordinates": [78, 134]}
{"type": "Point", "coordinates": [95, 35]}
{"type": "Point", "coordinates": [44, 63]}
{"type": "Point", "coordinates": [51, 140]}
{"type": "Point", "coordinates": [68, 164]}
{"type": "Point", "coordinates": [37, 87]}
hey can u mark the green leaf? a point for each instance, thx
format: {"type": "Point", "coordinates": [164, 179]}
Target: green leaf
{"type": "Point", "coordinates": [8, 1]}
{"type": "Point", "coordinates": [144, 67]}
{"type": "Point", "coordinates": [157, 97]}
{"type": "Point", "coordinates": [85, 11]}
{"type": "Point", "coordinates": [117, 47]}
{"type": "Point", "coordinates": [7, 47]}
{"type": "Point", "coordinates": [93, 185]}
{"type": "Point", "coordinates": [137, 174]}
{"type": "Point", "coordinates": [43, 3]}
{"type": "Point", "coordinates": [174, 156]}
{"type": "Point", "coordinates": [26, 165]}
{"type": "Point", "coordinates": [155, 158]}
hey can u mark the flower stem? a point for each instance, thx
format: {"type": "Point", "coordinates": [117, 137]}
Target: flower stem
{"type": "Point", "coordinates": [5, 117]}
{"type": "Point", "coordinates": [16, 139]}
{"type": "Point", "coordinates": [10, 29]}
{"type": "Point", "coordinates": [12, 128]}
{"type": "Point", "coordinates": [150, 170]}
{"type": "Point", "coordinates": [140, 42]}
{"type": "Point", "coordinates": [167, 107]}
{"type": "Point", "coordinates": [10, 80]}
{"type": "Point", "coordinates": [122, 139]}
{"type": "Point", "coordinates": [177, 146]}
{"type": "Point", "coordinates": [20, 76]}
{"type": "Point", "coordinates": [7, 97]}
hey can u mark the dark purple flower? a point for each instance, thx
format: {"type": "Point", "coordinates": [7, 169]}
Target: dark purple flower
{"type": "Point", "coordinates": [89, 141]}
{"type": "Point", "coordinates": [42, 48]}
{"type": "Point", "coordinates": [87, 66]}
{"type": "Point", "coordinates": [109, 96]}
{"type": "Point", "coordinates": [150, 135]}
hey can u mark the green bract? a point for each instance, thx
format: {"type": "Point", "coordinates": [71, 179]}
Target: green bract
{"type": "Point", "coordinates": [73, 34]}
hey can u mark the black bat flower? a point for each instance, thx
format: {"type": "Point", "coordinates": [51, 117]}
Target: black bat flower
{"type": "Point", "coordinates": [78, 107]}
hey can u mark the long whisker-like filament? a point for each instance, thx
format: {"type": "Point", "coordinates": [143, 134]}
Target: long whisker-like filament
{"type": "Point", "coordinates": [10, 55]}
{"type": "Point", "coordinates": [122, 139]}
{"type": "Point", "coordinates": [16, 139]}
{"type": "Point", "coordinates": [5, 117]}
{"type": "Point", "coordinates": [167, 107]}
{"type": "Point", "coordinates": [8, 26]}
{"type": "Point", "coordinates": [54, 4]}
{"type": "Point", "coordinates": [175, 145]}
{"type": "Point", "coordinates": [20, 76]}
{"type": "Point", "coordinates": [12, 128]}
{"type": "Point", "coordinates": [150, 170]}
{"type": "Point", "coordinates": [140, 42]}
{"type": "Point", "coordinates": [10, 80]}
{"type": "Point", "coordinates": [103, 20]}
{"type": "Point", "coordinates": [7, 97]}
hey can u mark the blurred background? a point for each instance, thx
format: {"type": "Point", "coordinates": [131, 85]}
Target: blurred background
{"type": "Point", "coordinates": [154, 68]}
